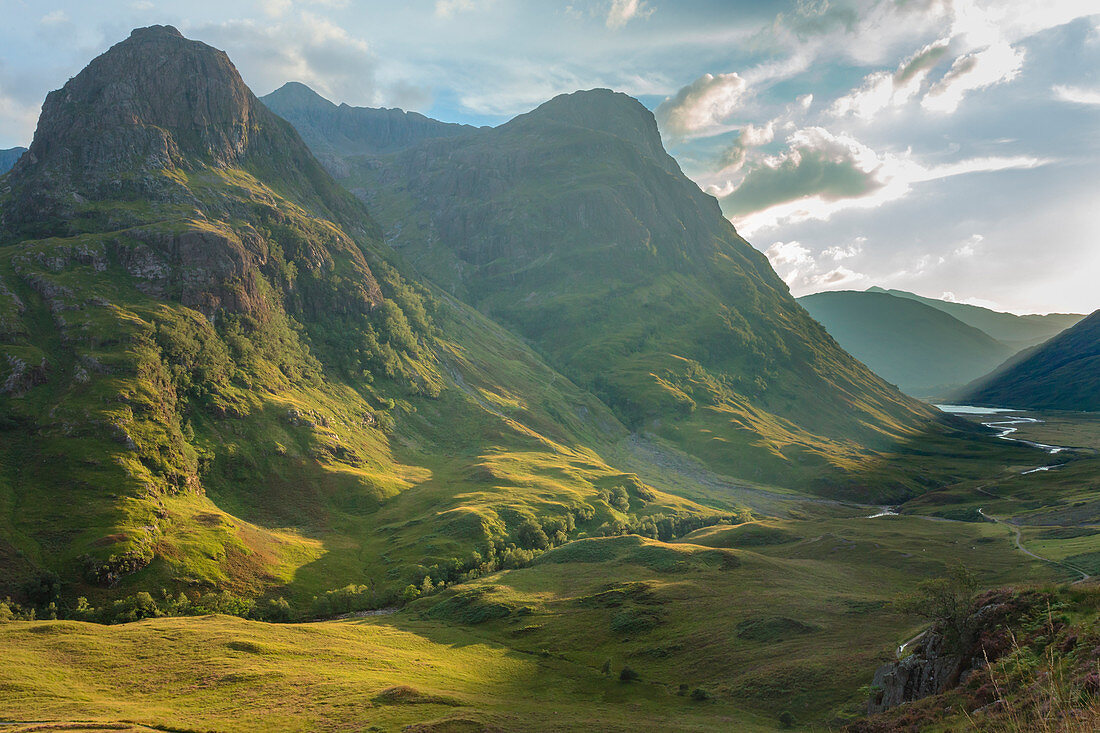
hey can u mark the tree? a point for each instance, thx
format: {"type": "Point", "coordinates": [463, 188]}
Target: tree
{"type": "Point", "coordinates": [945, 602]}
{"type": "Point", "coordinates": [531, 536]}
{"type": "Point", "coordinates": [606, 668]}
{"type": "Point", "coordinates": [786, 720]}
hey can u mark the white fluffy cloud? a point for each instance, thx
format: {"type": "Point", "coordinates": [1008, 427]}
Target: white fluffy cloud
{"type": "Point", "coordinates": [305, 47]}
{"type": "Point", "coordinates": [624, 11]}
{"type": "Point", "coordinates": [804, 272]}
{"type": "Point", "coordinates": [1077, 95]}
{"type": "Point", "coordinates": [821, 173]}
{"type": "Point", "coordinates": [996, 64]}
{"type": "Point", "coordinates": [883, 89]}
{"type": "Point", "coordinates": [448, 8]}
{"type": "Point", "coordinates": [702, 105]}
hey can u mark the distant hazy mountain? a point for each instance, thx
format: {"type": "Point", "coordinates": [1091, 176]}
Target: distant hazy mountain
{"type": "Point", "coordinates": [345, 130]}
{"type": "Point", "coordinates": [8, 158]}
{"type": "Point", "coordinates": [1061, 374]}
{"type": "Point", "coordinates": [925, 351]}
{"type": "Point", "coordinates": [1015, 331]}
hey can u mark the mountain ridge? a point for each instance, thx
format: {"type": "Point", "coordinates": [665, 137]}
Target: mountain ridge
{"type": "Point", "coordinates": [1059, 374]}
{"type": "Point", "coordinates": [925, 351]}
{"type": "Point", "coordinates": [340, 130]}
{"type": "Point", "coordinates": [9, 157]}
{"type": "Point", "coordinates": [1013, 330]}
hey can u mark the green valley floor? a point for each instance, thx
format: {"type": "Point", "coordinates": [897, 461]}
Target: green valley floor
{"type": "Point", "coordinates": [753, 626]}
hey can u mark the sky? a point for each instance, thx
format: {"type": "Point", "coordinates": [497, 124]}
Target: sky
{"type": "Point", "coordinates": [947, 147]}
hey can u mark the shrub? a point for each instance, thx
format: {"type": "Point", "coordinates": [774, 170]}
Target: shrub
{"type": "Point", "coordinates": [133, 608]}
{"type": "Point", "coordinates": [786, 720]}
{"type": "Point", "coordinates": [699, 694]}
{"type": "Point", "coordinates": [628, 675]}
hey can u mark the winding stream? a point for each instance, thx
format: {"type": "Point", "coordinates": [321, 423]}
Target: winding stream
{"type": "Point", "coordinates": [1006, 428]}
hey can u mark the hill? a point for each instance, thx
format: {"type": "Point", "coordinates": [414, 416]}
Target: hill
{"type": "Point", "coordinates": [572, 226]}
{"type": "Point", "coordinates": [1016, 332]}
{"type": "Point", "coordinates": [213, 374]}
{"type": "Point", "coordinates": [923, 350]}
{"type": "Point", "coordinates": [1061, 374]}
{"type": "Point", "coordinates": [8, 158]}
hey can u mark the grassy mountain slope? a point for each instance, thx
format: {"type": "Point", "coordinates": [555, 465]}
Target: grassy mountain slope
{"type": "Point", "coordinates": [763, 618]}
{"type": "Point", "coordinates": [1016, 332]}
{"type": "Point", "coordinates": [572, 226]}
{"type": "Point", "coordinates": [212, 373]}
{"type": "Point", "coordinates": [924, 351]}
{"type": "Point", "coordinates": [1061, 374]}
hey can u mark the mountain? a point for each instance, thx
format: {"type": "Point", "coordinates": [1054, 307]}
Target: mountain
{"type": "Point", "coordinates": [923, 350]}
{"type": "Point", "coordinates": [1016, 332]}
{"type": "Point", "coordinates": [8, 158]}
{"type": "Point", "coordinates": [332, 130]}
{"type": "Point", "coordinates": [1061, 374]}
{"type": "Point", "coordinates": [214, 374]}
{"type": "Point", "coordinates": [572, 226]}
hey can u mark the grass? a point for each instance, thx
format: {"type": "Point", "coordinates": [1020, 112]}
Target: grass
{"type": "Point", "coordinates": [222, 673]}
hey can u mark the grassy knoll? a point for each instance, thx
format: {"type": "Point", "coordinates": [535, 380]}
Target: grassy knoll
{"type": "Point", "coordinates": [222, 673]}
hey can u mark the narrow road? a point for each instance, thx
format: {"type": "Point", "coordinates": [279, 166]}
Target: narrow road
{"type": "Point", "coordinates": [1020, 546]}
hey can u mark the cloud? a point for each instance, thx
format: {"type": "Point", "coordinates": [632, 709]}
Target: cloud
{"type": "Point", "coordinates": [305, 48]}
{"type": "Point", "coordinates": [55, 17]}
{"type": "Point", "coordinates": [820, 174]}
{"type": "Point", "coordinates": [702, 105]}
{"type": "Point", "coordinates": [969, 248]}
{"type": "Point", "coordinates": [750, 136]}
{"type": "Point", "coordinates": [448, 8]}
{"type": "Point", "coordinates": [804, 272]}
{"type": "Point", "coordinates": [996, 64]}
{"type": "Point", "coordinates": [623, 11]}
{"type": "Point", "coordinates": [883, 89]}
{"type": "Point", "coordinates": [18, 117]}
{"type": "Point", "coordinates": [816, 164]}
{"type": "Point", "coordinates": [1077, 95]}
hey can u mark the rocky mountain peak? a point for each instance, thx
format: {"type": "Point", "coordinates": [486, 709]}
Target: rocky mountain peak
{"type": "Point", "coordinates": [150, 105]}
{"type": "Point", "coordinates": [602, 110]}
{"type": "Point", "coordinates": [295, 95]}
{"type": "Point", "coordinates": [153, 100]}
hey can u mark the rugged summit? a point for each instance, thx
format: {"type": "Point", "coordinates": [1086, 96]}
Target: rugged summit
{"type": "Point", "coordinates": [151, 104]}
{"type": "Point", "coordinates": [1061, 374]}
{"type": "Point", "coordinates": [573, 226]}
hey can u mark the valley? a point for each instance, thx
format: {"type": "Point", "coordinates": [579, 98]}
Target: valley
{"type": "Point", "coordinates": [318, 417]}
{"type": "Point", "coordinates": [786, 613]}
